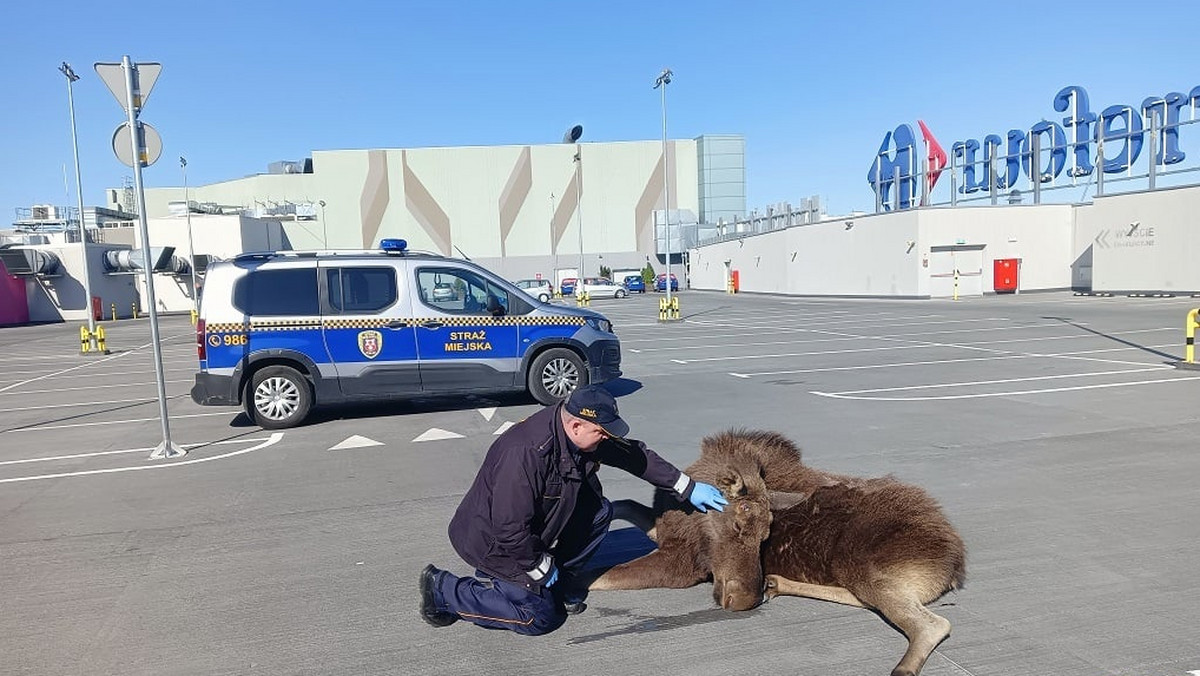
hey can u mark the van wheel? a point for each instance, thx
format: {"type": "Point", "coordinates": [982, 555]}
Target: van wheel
{"type": "Point", "coordinates": [555, 374]}
{"type": "Point", "coordinates": [279, 397]}
{"type": "Point", "coordinates": [544, 297]}
{"type": "Point", "coordinates": [620, 293]}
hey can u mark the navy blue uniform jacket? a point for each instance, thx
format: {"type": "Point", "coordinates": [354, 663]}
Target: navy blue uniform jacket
{"type": "Point", "coordinates": [526, 490]}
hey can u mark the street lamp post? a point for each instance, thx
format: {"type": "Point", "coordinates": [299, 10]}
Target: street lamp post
{"type": "Point", "coordinates": [324, 228]}
{"type": "Point", "coordinates": [579, 217]}
{"type": "Point", "coordinates": [572, 136]}
{"type": "Point", "coordinates": [661, 83]}
{"type": "Point", "coordinates": [66, 70]}
{"type": "Point", "coordinates": [553, 249]}
{"type": "Point", "coordinates": [187, 205]}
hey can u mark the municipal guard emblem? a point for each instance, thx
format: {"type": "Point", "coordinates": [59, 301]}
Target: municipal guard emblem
{"type": "Point", "coordinates": [370, 343]}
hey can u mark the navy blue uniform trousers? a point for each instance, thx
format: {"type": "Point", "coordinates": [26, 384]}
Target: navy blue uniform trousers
{"type": "Point", "coordinates": [499, 604]}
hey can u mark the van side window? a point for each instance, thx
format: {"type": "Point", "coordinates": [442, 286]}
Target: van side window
{"type": "Point", "coordinates": [460, 291]}
{"type": "Point", "coordinates": [277, 293]}
{"type": "Point", "coordinates": [361, 290]}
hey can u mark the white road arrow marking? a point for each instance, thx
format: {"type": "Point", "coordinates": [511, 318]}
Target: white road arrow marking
{"type": "Point", "coordinates": [437, 434]}
{"type": "Point", "coordinates": [487, 413]}
{"type": "Point", "coordinates": [502, 429]}
{"type": "Point", "coordinates": [355, 441]}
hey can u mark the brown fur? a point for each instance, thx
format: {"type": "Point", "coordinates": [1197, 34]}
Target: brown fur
{"type": "Point", "coordinates": [875, 543]}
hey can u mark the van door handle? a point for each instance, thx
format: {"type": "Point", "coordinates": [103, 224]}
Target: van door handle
{"type": "Point", "coordinates": [432, 324]}
{"type": "Point", "coordinates": [397, 324]}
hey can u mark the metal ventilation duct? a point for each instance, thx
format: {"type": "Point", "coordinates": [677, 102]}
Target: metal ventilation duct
{"type": "Point", "coordinates": [26, 262]}
{"type": "Point", "coordinates": [128, 260]}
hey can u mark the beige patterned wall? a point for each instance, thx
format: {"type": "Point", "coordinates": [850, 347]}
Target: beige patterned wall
{"type": "Point", "coordinates": [488, 201]}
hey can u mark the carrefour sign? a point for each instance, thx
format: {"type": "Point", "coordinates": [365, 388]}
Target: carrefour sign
{"type": "Point", "coordinates": [1111, 139]}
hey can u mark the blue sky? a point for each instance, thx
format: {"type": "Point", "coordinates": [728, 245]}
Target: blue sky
{"type": "Point", "coordinates": [812, 86]}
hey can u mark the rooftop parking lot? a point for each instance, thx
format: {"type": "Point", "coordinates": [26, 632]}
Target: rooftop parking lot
{"type": "Point", "coordinates": [1051, 427]}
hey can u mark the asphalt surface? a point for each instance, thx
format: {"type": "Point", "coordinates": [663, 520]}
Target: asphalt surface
{"type": "Point", "coordinates": [1050, 427]}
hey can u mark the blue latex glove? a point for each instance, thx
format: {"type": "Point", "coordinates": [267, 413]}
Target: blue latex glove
{"type": "Point", "coordinates": [551, 578]}
{"type": "Point", "coordinates": [706, 496]}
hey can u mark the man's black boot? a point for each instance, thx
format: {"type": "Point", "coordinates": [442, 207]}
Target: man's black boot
{"type": "Point", "coordinates": [429, 611]}
{"type": "Point", "coordinates": [572, 592]}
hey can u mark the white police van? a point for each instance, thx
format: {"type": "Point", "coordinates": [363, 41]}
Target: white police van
{"type": "Point", "coordinates": [280, 332]}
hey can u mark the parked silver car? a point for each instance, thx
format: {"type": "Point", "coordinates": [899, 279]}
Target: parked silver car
{"type": "Point", "coordinates": [602, 287]}
{"type": "Point", "coordinates": [540, 289]}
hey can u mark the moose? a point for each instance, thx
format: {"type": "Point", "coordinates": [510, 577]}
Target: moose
{"type": "Point", "coordinates": [791, 530]}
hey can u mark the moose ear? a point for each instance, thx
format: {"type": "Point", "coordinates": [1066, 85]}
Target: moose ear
{"type": "Point", "coordinates": [730, 484]}
{"type": "Point", "coordinates": [782, 500]}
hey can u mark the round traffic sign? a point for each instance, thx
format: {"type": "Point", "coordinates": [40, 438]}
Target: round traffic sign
{"type": "Point", "coordinates": [150, 147]}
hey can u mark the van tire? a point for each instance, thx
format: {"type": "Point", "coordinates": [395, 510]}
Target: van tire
{"type": "Point", "coordinates": [278, 397]}
{"type": "Point", "coordinates": [555, 374]}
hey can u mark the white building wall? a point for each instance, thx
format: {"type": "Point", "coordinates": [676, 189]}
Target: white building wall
{"type": "Point", "coordinates": [1040, 236]}
{"type": "Point", "coordinates": [888, 255]}
{"type": "Point", "coordinates": [62, 298]}
{"type": "Point", "coordinates": [868, 258]}
{"type": "Point", "coordinates": [1148, 241]}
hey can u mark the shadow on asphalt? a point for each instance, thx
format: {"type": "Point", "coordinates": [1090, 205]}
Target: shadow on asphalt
{"type": "Point", "coordinates": [1171, 359]}
{"type": "Point", "coordinates": [434, 404]}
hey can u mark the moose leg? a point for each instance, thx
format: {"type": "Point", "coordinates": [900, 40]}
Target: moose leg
{"type": "Point", "coordinates": [781, 586]}
{"type": "Point", "coordinates": [660, 568]}
{"type": "Point", "coordinates": [924, 629]}
{"type": "Point", "coordinates": [637, 514]}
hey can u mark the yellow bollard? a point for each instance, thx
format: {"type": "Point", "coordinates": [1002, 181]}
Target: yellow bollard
{"type": "Point", "coordinates": [1189, 349]}
{"type": "Point", "coordinates": [195, 315]}
{"type": "Point", "coordinates": [114, 312]}
{"type": "Point", "coordinates": [955, 284]}
{"type": "Point", "coordinates": [85, 340]}
{"type": "Point", "coordinates": [675, 307]}
{"type": "Point", "coordinates": [100, 344]}
{"type": "Point", "coordinates": [134, 310]}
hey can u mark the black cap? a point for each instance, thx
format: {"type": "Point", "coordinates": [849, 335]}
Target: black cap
{"type": "Point", "coordinates": [595, 404]}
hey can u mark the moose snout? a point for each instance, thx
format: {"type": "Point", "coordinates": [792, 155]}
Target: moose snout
{"type": "Point", "coordinates": [735, 595]}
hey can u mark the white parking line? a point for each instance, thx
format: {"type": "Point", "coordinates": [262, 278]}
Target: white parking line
{"type": "Point", "coordinates": [863, 367]}
{"type": "Point", "coordinates": [57, 373]}
{"type": "Point", "coordinates": [147, 449]}
{"type": "Point", "coordinates": [43, 428]}
{"type": "Point", "coordinates": [801, 354]}
{"type": "Point", "coordinates": [274, 439]}
{"type": "Point", "coordinates": [1061, 355]}
{"type": "Point", "coordinates": [81, 366]}
{"type": "Point", "coordinates": [142, 400]}
{"type": "Point", "coordinates": [985, 395]}
{"type": "Point", "coordinates": [95, 374]}
{"type": "Point", "coordinates": [88, 387]}
{"type": "Point", "coordinates": [969, 383]}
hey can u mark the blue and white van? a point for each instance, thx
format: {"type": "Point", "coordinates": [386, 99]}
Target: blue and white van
{"type": "Point", "coordinates": [281, 332]}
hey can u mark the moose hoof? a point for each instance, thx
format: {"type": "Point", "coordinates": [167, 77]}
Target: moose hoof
{"type": "Point", "coordinates": [772, 586]}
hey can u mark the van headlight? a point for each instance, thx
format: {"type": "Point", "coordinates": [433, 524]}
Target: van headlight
{"type": "Point", "coordinates": [601, 325]}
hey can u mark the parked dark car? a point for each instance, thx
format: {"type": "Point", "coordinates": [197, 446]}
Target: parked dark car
{"type": "Point", "coordinates": [661, 284]}
{"type": "Point", "coordinates": [635, 284]}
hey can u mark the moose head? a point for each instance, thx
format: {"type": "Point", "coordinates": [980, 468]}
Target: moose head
{"type": "Point", "coordinates": [737, 537]}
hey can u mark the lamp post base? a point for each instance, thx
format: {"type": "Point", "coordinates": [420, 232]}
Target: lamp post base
{"type": "Point", "coordinates": [167, 451]}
